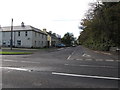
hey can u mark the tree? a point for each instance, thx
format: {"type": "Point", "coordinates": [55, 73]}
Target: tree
{"type": "Point", "coordinates": [101, 26]}
{"type": "Point", "coordinates": [68, 39]}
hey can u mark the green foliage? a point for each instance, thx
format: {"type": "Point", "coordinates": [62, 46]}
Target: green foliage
{"type": "Point", "coordinates": [101, 28]}
{"type": "Point", "coordinates": [68, 38]}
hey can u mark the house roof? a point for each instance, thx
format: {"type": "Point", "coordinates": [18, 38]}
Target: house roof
{"type": "Point", "coordinates": [20, 28]}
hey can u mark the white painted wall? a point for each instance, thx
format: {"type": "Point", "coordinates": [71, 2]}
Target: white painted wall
{"type": "Point", "coordinates": [39, 40]}
{"type": "Point", "coordinates": [26, 41]}
{"type": "Point", "coordinates": [0, 38]}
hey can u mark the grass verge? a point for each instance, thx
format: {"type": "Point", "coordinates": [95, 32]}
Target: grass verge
{"type": "Point", "coordinates": [14, 53]}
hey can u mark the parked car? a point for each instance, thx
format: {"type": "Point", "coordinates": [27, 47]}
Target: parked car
{"type": "Point", "coordinates": [60, 45]}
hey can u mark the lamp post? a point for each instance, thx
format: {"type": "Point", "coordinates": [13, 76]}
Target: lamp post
{"type": "Point", "coordinates": [11, 41]}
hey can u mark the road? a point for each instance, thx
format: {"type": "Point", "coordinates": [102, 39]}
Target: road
{"type": "Point", "coordinates": [71, 67]}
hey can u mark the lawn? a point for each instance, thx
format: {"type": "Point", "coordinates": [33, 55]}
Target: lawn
{"type": "Point", "coordinates": [14, 53]}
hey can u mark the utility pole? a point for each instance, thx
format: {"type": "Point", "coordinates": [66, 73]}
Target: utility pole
{"type": "Point", "coordinates": [11, 41]}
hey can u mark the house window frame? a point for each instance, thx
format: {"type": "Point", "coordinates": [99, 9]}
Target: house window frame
{"type": "Point", "coordinates": [26, 33]}
{"type": "Point", "coordinates": [19, 42]}
{"type": "Point", "coordinates": [18, 33]}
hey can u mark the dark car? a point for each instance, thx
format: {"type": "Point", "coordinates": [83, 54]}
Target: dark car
{"type": "Point", "coordinates": [60, 45]}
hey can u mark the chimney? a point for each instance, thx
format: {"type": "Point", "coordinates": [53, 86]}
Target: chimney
{"type": "Point", "coordinates": [54, 34]}
{"type": "Point", "coordinates": [50, 32]}
{"type": "Point", "coordinates": [22, 24]}
{"type": "Point", "coordinates": [44, 30]}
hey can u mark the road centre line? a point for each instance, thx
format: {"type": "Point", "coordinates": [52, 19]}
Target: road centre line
{"type": "Point", "coordinates": [85, 76]}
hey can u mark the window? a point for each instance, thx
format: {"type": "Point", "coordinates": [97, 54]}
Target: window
{"type": "Point", "coordinates": [42, 43]}
{"type": "Point", "coordinates": [3, 33]}
{"type": "Point", "coordinates": [18, 42]}
{"type": "Point", "coordinates": [19, 33]}
{"type": "Point", "coordinates": [35, 43]}
{"type": "Point", "coordinates": [35, 34]}
{"type": "Point", "coordinates": [39, 43]}
{"type": "Point", "coordinates": [42, 35]}
{"type": "Point", "coordinates": [4, 42]}
{"type": "Point", "coordinates": [26, 33]}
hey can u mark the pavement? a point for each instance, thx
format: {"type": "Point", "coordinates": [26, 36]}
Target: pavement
{"type": "Point", "coordinates": [71, 67]}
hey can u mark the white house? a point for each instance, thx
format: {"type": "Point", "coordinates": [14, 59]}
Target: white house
{"type": "Point", "coordinates": [23, 36]}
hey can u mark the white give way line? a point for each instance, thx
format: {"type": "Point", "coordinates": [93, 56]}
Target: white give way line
{"type": "Point", "coordinates": [63, 74]}
{"type": "Point", "coordinates": [13, 68]}
{"type": "Point", "coordinates": [86, 76]}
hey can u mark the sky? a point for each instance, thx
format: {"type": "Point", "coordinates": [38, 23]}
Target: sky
{"type": "Point", "coordinates": [58, 16]}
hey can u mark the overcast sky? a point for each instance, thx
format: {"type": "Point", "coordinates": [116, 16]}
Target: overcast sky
{"type": "Point", "coordinates": [58, 16]}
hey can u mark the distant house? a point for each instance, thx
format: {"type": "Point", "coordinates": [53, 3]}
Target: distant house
{"type": "Point", "coordinates": [52, 38]}
{"type": "Point", "coordinates": [23, 36]}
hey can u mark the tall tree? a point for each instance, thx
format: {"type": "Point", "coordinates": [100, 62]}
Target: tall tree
{"type": "Point", "coordinates": [68, 39]}
{"type": "Point", "coordinates": [101, 26]}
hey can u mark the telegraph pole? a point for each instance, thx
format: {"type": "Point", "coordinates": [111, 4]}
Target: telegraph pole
{"type": "Point", "coordinates": [11, 41]}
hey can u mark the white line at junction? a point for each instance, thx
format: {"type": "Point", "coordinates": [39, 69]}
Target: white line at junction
{"type": "Point", "coordinates": [13, 68]}
{"type": "Point", "coordinates": [85, 76]}
{"type": "Point", "coordinates": [7, 60]}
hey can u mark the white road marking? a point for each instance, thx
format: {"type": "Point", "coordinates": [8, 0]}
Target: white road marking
{"type": "Point", "coordinates": [66, 64]}
{"type": "Point", "coordinates": [109, 60]}
{"type": "Point", "coordinates": [73, 53]}
{"type": "Point", "coordinates": [106, 53]}
{"type": "Point", "coordinates": [69, 57]}
{"type": "Point", "coordinates": [79, 59]}
{"type": "Point", "coordinates": [60, 49]}
{"type": "Point", "coordinates": [8, 60]}
{"type": "Point", "coordinates": [103, 52]}
{"type": "Point", "coordinates": [88, 59]}
{"type": "Point", "coordinates": [13, 68]}
{"type": "Point", "coordinates": [86, 55]}
{"type": "Point", "coordinates": [20, 61]}
{"type": "Point", "coordinates": [90, 66]}
{"type": "Point", "coordinates": [118, 60]}
{"type": "Point", "coordinates": [86, 76]}
{"type": "Point", "coordinates": [99, 59]}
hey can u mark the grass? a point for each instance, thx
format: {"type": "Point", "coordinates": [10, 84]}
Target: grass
{"type": "Point", "coordinates": [15, 53]}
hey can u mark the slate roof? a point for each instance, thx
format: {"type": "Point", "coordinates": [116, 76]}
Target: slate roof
{"type": "Point", "coordinates": [20, 28]}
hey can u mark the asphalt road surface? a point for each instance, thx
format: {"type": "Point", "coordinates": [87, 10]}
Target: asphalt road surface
{"type": "Point", "coordinates": [71, 67]}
